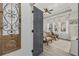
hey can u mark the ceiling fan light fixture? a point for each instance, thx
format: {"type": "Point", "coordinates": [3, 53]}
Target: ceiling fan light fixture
{"type": "Point", "coordinates": [46, 11]}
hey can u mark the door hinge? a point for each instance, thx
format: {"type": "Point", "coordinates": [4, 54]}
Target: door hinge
{"type": "Point", "coordinates": [32, 31]}
{"type": "Point", "coordinates": [32, 51]}
{"type": "Point", "coordinates": [32, 11]}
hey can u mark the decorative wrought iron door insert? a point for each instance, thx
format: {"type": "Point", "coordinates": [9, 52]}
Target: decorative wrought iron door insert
{"type": "Point", "coordinates": [10, 32]}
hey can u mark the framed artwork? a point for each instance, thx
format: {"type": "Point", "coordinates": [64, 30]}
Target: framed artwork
{"type": "Point", "coordinates": [63, 27]}
{"type": "Point", "coordinates": [55, 27]}
{"type": "Point", "coordinates": [50, 27]}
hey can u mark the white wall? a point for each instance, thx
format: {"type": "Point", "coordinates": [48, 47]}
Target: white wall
{"type": "Point", "coordinates": [74, 47]}
{"type": "Point", "coordinates": [26, 34]}
{"type": "Point", "coordinates": [58, 19]}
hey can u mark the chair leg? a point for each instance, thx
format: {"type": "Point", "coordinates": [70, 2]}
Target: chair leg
{"type": "Point", "coordinates": [51, 41]}
{"type": "Point", "coordinates": [47, 43]}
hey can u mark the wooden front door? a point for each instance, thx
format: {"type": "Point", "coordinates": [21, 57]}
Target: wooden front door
{"type": "Point", "coordinates": [1, 19]}
{"type": "Point", "coordinates": [10, 35]}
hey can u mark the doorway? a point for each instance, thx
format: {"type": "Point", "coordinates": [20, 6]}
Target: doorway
{"type": "Point", "coordinates": [58, 30]}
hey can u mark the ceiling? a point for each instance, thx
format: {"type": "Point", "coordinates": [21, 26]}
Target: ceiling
{"type": "Point", "coordinates": [57, 7]}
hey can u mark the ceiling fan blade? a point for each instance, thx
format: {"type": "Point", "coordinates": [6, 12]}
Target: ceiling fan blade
{"type": "Point", "coordinates": [49, 12]}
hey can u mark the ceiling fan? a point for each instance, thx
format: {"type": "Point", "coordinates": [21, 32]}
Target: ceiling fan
{"type": "Point", "coordinates": [47, 11]}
